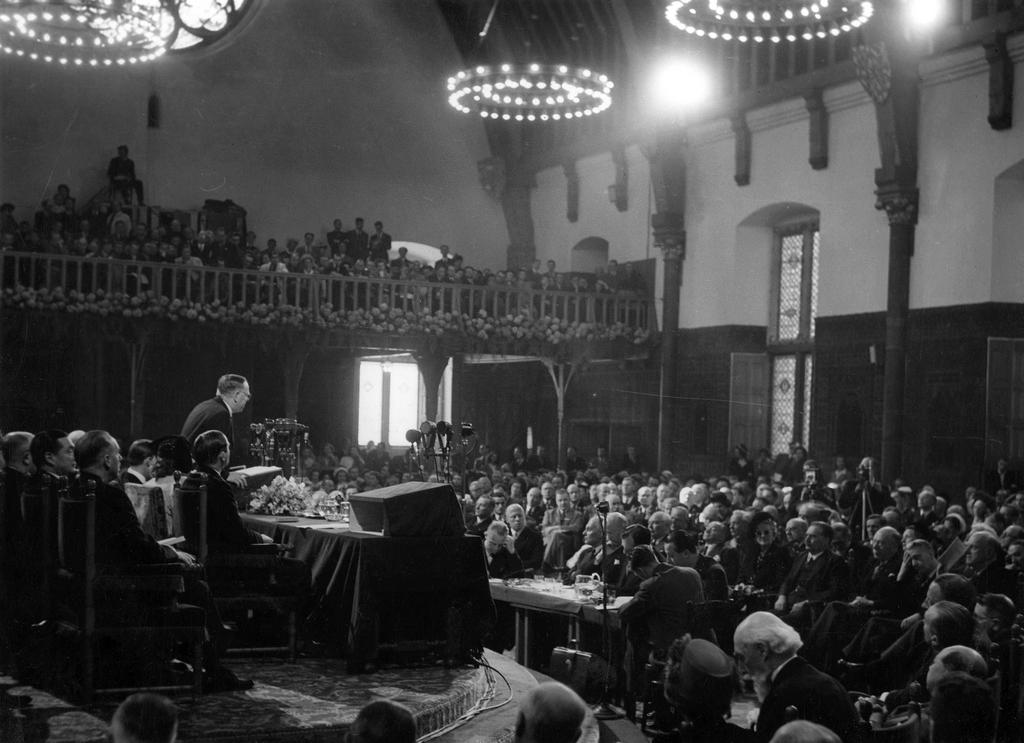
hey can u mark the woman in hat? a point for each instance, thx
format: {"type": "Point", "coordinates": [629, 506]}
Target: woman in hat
{"type": "Point", "coordinates": [699, 679]}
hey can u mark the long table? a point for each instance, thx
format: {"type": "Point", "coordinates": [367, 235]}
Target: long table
{"type": "Point", "coordinates": [532, 598]}
{"type": "Point", "coordinates": [370, 590]}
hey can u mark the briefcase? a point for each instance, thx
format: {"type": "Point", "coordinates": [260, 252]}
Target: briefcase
{"type": "Point", "coordinates": [581, 671]}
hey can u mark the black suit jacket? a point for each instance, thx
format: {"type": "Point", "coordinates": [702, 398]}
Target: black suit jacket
{"type": "Point", "coordinates": [130, 477]}
{"type": "Point", "coordinates": [120, 540]}
{"type": "Point", "coordinates": [224, 529]}
{"type": "Point", "coordinates": [209, 415]}
{"type": "Point", "coordinates": [817, 697]}
{"type": "Point", "coordinates": [530, 548]}
{"type": "Point", "coordinates": [826, 579]}
{"type": "Point", "coordinates": [505, 565]}
{"type": "Point", "coordinates": [658, 610]}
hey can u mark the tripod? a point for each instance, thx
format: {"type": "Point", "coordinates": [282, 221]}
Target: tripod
{"type": "Point", "coordinates": [604, 710]}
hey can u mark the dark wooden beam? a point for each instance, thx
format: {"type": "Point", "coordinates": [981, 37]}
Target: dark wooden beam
{"type": "Point", "coordinates": [818, 129]}
{"type": "Point", "coordinates": [1000, 82]}
{"type": "Point", "coordinates": [741, 132]}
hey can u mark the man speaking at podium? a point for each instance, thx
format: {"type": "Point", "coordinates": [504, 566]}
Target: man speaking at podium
{"type": "Point", "coordinates": [217, 414]}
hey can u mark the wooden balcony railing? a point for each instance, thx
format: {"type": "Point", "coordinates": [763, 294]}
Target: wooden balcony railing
{"type": "Point", "coordinates": [329, 300]}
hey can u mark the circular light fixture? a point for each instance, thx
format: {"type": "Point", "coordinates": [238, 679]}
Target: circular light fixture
{"type": "Point", "coordinates": [106, 33]}
{"type": "Point", "coordinates": [758, 20]}
{"type": "Point", "coordinates": [85, 32]}
{"type": "Point", "coordinates": [529, 92]}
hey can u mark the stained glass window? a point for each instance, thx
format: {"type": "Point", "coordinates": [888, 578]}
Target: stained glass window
{"type": "Point", "coordinates": [790, 286]}
{"type": "Point", "coordinates": [792, 335]}
{"type": "Point", "coordinates": [784, 390]}
{"type": "Point", "coordinates": [402, 400]}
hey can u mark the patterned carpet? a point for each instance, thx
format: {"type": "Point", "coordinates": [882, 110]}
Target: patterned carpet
{"type": "Point", "coordinates": [310, 700]}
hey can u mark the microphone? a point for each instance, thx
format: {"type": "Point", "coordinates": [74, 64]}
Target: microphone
{"type": "Point", "coordinates": [413, 435]}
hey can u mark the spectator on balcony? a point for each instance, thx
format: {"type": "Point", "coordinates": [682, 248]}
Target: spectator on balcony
{"type": "Point", "coordinates": [276, 263]}
{"type": "Point", "coordinates": [58, 211]}
{"type": "Point", "coordinates": [234, 252]}
{"type": "Point", "coordinates": [379, 243]}
{"type": "Point", "coordinates": [8, 224]}
{"type": "Point", "coordinates": [336, 240]}
{"type": "Point", "coordinates": [446, 257]}
{"type": "Point", "coordinates": [123, 180]}
{"type": "Point", "coordinates": [358, 243]}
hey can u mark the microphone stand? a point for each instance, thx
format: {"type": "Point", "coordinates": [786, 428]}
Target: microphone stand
{"type": "Point", "coordinates": [604, 710]}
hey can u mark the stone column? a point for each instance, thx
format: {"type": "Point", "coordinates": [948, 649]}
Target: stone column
{"type": "Point", "coordinates": [901, 208]}
{"type": "Point", "coordinates": [670, 238]}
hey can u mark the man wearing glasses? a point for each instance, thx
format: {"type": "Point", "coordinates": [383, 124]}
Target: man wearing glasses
{"type": "Point", "coordinates": [217, 413]}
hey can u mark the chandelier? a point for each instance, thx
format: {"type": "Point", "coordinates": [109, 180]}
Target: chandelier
{"type": "Point", "coordinates": [768, 20]}
{"type": "Point", "coordinates": [105, 33]}
{"type": "Point", "coordinates": [530, 92]}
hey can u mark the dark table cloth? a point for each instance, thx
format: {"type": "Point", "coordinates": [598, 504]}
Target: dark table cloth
{"type": "Point", "coordinates": [371, 591]}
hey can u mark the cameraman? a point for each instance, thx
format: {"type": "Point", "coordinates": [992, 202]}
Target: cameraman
{"type": "Point", "coordinates": [863, 496]}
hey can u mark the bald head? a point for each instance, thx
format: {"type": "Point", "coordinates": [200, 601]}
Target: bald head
{"type": "Point", "coordinates": [550, 713]}
{"type": "Point", "coordinates": [615, 524]}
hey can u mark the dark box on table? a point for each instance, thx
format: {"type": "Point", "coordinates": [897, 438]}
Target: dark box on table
{"type": "Point", "coordinates": [410, 509]}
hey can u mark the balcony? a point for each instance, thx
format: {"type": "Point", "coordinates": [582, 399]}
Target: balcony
{"type": "Point", "coordinates": [333, 310]}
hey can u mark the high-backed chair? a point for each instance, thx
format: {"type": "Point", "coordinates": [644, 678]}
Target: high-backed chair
{"type": "Point", "coordinates": [148, 502]}
{"type": "Point", "coordinates": [102, 613]}
{"type": "Point", "coordinates": [242, 583]}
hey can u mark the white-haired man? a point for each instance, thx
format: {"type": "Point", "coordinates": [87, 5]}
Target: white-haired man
{"type": "Point", "coordinates": [550, 713]}
{"type": "Point", "coordinates": [985, 565]}
{"type": "Point", "coordinates": [766, 650]}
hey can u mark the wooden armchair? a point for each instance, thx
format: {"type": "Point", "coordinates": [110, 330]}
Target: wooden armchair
{"type": "Point", "coordinates": [242, 583]}
{"type": "Point", "coordinates": [102, 613]}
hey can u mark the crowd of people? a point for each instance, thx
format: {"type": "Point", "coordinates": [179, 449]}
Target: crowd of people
{"type": "Point", "coordinates": [107, 231]}
{"type": "Point", "coordinates": [837, 580]}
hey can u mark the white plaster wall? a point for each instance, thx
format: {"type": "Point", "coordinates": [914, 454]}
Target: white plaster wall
{"type": "Point", "coordinates": [315, 110]}
{"type": "Point", "coordinates": [963, 255]}
{"type": "Point", "coordinates": [961, 157]}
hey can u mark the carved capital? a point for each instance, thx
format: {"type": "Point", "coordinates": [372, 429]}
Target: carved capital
{"type": "Point", "coordinates": [900, 206]}
{"type": "Point", "coordinates": [669, 235]}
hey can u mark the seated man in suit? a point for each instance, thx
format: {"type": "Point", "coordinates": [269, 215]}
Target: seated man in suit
{"type": "Point", "coordinates": [682, 552]}
{"type": "Point", "coordinates": [585, 560]}
{"type": "Point", "coordinates": [502, 561]}
{"type": "Point", "coordinates": [561, 528]}
{"type": "Point", "coordinates": [658, 611]}
{"type": "Point", "coordinates": [225, 532]}
{"type": "Point", "coordinates": [766, 650]}
{"type": "Point", "coordinates": [120, 542]}
{"type": "Point", "coordinates": [224, 529]}
{"type": "Point", "coordinates": [526, 540]}
{"type": "Point", "coordinates": [985, 565]}
{"type": "Point", "coordinates": [817, 575]}
{"type": "Point", "coordinates": [140, 460]}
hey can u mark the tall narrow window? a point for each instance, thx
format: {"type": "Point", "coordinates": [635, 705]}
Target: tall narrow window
{"type": "Point", "coordinates": [791, 332]}
{"type": "Point", "coordinates": [388, 400]}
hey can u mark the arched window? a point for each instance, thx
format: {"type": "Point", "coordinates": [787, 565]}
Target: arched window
{"type": "Point", "coordinates": [794, 308]}
{"type": "Point", "coordinates": [589, 255]}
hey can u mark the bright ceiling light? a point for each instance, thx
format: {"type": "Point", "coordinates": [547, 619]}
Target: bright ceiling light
{"type": "Point", "coordinates": [678, 84]}
{"type": "Point", "coordinates": [924, 14]}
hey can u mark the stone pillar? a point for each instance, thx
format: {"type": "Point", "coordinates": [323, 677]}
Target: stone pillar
{"type": "Point", "coordinates": [670, 237]}
{"type": "Point", "coordinates": [901, 209]}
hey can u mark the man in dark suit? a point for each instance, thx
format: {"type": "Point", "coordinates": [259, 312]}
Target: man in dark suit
{"type": "Point", "coordinates": [379, 243]}
{"type": "Point", "coordinates": [1002, 478]}
{"type": "Point", "coordinates": [527, 541]}
{"type": "Point", "coordinates": [502, 562]}
{"type": "Point", "coordinates": [216, 414]}
{"type": "Point", "coordinates": [140, 459]}
{"type": "Point", "coordinates": [658, 611]}
{"type": "Point", "coordinates": [766, 649]}
{"type": "Point", "coordinates": [120, 542]}
{"type": "Point", "coordinates": [357, 243]}
{"type": "Point", "coordinates": [985, 565]}
{"type": "Point", "coordinates": [225, 531]}
{"type": "Point", "coordinates": [483, 516]}
{"type": "Point", "coordinates": [817, 575]}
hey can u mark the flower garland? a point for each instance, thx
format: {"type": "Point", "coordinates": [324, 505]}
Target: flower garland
{"type": "Point", "coordinates": [523, 325]}
{"type": "Point", "coordinates": [281, 497]}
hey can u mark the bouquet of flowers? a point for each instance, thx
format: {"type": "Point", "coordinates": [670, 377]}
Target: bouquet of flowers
{"type": "Point", "coordinates": [281, 497]}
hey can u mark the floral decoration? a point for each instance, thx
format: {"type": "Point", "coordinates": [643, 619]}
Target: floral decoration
{"type": "Point", "coordinates": [522, 325]}
{"type": "Point", "coordinates": [282, 497]}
